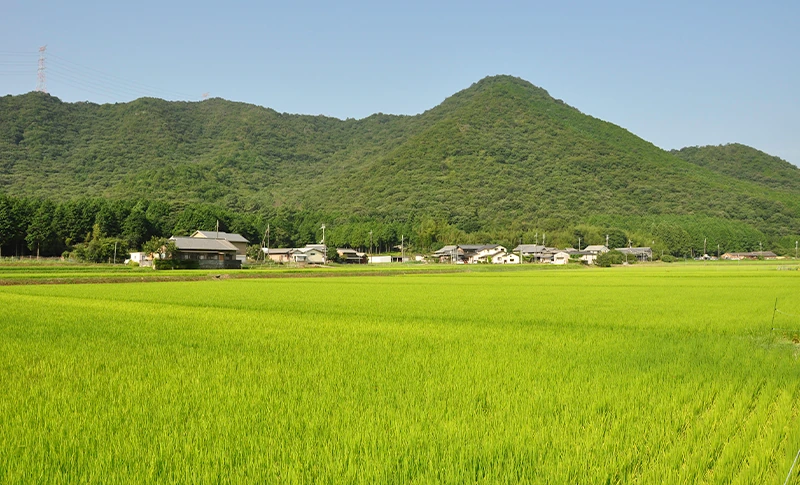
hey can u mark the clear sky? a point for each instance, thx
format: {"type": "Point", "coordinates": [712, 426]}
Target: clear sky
{"type": "Point", "coordinates": [676, 73]}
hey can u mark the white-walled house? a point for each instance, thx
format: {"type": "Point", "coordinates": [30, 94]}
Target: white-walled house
{"type": "Point", "coordinates": [385, 259]}
{"type": "Point", "coordinates": [308, 255]}
{"type": "Point", "coordinates": [486, 252]}
{"type": "Point", "coordinates": [561, 257]}
{"type": "Point", "coordinates": [505, 258]}
{"type": "Point", "coordinates": [596, 249]}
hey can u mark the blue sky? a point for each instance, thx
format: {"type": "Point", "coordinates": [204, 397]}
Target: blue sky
{"type": "Point", "coordinates": [675, 73]}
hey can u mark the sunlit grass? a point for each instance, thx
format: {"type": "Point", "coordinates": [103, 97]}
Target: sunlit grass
{"type": "Point", "coordinates": [651, 375]}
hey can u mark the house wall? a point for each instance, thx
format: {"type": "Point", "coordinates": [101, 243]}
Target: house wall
{"type": "Point", "coordinates": [561, 258]}
{"type": "Point", "coordinates": [505, 258]}
{"type": "Point", "coordinates": [313, 256]}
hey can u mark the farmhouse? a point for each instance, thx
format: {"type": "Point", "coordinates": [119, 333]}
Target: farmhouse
{"type": "Point", "coordinates": [529, 250]}
{"type": "Point", "coordinates": [546, 256]}
{"type": "Point", "coordinates": [485, 253]}
{"type": "Point", "coordinates": [138, 258]}
{"type": "Point", "coordinates": [751, 255]}
{"type": "Point", "coordinates": [308, 254]}
{"type": "Point", "coordinates": [386, 258]}
{"type": "Point", "coordinates": [449, 253]}
{"type": "Point", "coordinates": [238, 241]}
{"type": "Point", "coordinates": [588, 257]}
{"type": "Point", "coordinates": [209, 253]}
{"type": "Point", "coordinates": [279, 255]}
{"type": "Point", "coordinates": [351, 256]}
{"type": "Point", "coordinates": [505, 258]}
{"type": "Point", "coordinates": [596, 249]}
{"type": "Point", "coordinates": [561, 257]}
{"type": "Point", "coordinates": [469, 253]}
{"type": "Point", "coordinates": [641, 254]}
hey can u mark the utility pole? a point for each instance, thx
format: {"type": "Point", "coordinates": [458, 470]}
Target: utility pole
{"type": "Point", "coordinates": [537, 238]}
{"type": "Point", "coordinates": [717, 250]}
{"type": "Point", "coordinates": [115, 252]}
{"type": "Point", "coordinates": [324, 247]}
{"type": "Point", "coordinates": [704, 246]}
{"type": "Point", "coordinates": [265, 241]}
{"type": "Point", "coordinates": [579, 243]}
{"type": "Point", "coordinates": [402, 248]}
{"type": "Point", "coordinates": [795, 250]}
{"type": "Point", "coordinates": [370, 246]}
{"type": "Point", "coordinates": [607, 241]}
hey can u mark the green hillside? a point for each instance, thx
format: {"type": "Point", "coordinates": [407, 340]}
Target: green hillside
{"type": "Point", "coordinates": [745, 163]}
{"type": "Point", "coordinates": [500, 160]}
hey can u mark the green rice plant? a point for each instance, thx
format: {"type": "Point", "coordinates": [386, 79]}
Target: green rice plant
{"type": "Point", "coordinates": [644, 374]}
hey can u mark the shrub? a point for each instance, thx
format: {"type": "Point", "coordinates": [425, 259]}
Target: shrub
{"type": "Point", "coordinates": [613, 257]}
{"type": "Point", "coordinates": [668, 259]}
{"type": "Point", "coordinates": [176, 264]}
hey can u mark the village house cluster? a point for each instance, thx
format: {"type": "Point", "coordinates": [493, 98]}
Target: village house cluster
{"type": "Point", "coordinates": [223, 250]}
{"type": "Point", "coordinates": [497, 254]}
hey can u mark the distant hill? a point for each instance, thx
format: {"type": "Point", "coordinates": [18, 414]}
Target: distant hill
{"type": "Point", "coordinates": [500, 154]}
{"type": "Point", "coordinates": [744, 163]}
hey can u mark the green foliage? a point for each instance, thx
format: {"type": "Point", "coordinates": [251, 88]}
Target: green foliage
{"type": "Point", "coordinates": [101, 249]}
{"type": "Point", "coordinates": [744, 163]}
{"type": "Point", "coordinates": [668, 259]}
{"type": "Point", "coordinates": [175, 264]}
{"type": "Point", "coordinates": [636, 375]}
{"type": "Point", "coordinates": [499, 161]}
{"type": "Point", "coordinates": [613, 257]}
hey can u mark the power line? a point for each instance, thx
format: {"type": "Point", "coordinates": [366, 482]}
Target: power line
{"type": "Point", "coordinates": [63, 73]}
{"type": "Point", "coordinates": [96, 73]}
{"type": "Point", "coordinates": [89, 86]}
{"type": "Point", "coordinates": [87, 79]}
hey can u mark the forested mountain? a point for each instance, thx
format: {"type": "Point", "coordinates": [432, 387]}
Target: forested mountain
{"type": "Point", "coordinates": [745, 163]}
{"type": "Point", "coordinates": [501, 160]}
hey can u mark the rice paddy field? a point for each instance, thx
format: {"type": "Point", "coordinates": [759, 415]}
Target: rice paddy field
{"type": "Point", "coordinates": [642, 374]}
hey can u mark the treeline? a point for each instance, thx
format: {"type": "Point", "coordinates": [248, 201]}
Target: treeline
{"type": "Point", "coordinates": [96, 229]}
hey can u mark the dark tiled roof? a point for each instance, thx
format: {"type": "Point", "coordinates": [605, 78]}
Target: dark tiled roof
{"type": "Point", "coordinates": [202, 244]}
{"type": "Point", "coordinates": [228, 236]}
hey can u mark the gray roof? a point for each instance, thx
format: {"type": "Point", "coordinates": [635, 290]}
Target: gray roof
{"type": "Point", "coordinates": [477, 247]}
{"type": "Point", "coordinates": [447, 249]}
{"type": "Point", "coordinates": [305, 250]}
{"type": "Point", "coordinates": [529, 248]}
{"type": "Point", "coordinates": [595, 247]}
{"type": "Point", "coordinates": [278, 250]}
{"type": "Point", "coordinates": [227, 236]}
{"type": "Point", "coordinates": [202, 244]}
{"type": "Point", "coordinates": [643, 250]}
{"type": "Point", "coordinates": [755, 254]}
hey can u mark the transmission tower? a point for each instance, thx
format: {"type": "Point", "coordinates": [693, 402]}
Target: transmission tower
{"type": "Point", "coordinates": [41, 84]}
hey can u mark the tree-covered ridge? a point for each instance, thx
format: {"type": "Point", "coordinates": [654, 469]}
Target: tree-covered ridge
{"type": "Point", "coordinates": [499, 160]}
{"type": "Point", "coordinates": [745, 163]}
